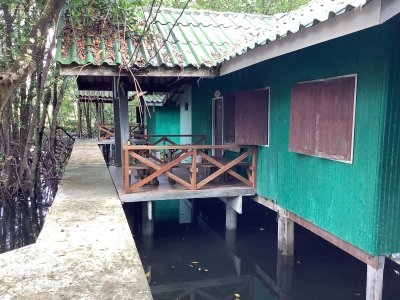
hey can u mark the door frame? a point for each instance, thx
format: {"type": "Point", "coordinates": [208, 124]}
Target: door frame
{"type": "Point", "coordinates": [213, 121]}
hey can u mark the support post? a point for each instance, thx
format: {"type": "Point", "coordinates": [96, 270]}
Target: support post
{"type": "Point", "coordinates": [121, 118]}
{"type": "Point", "coordinates": [285, 234]}
{"type": "Point", "coordinates": [147, 218]}
{"type": "Point", "coordinates": [284, 274]}
{"type": "Point", "coordinates": [375, 280]}
{"type": "Point", "coordinates": [231, 218]}
{"type": "Point", "coordinates": [97, 119]}
{"type": "Point", "coordinates": [79, 119]}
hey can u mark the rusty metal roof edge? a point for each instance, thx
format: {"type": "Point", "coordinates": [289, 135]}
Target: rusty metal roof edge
{"type": "Point", "coordinates": [261, 42]}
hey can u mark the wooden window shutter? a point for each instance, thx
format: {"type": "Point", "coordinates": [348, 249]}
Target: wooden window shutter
{"type": "Point", "coordinates": [321, 119]}
{"type": "Point", "coordinates": [246, 117]}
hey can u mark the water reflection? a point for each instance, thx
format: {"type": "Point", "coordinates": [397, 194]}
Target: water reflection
{"type": "Point", "coordinates": [22, 220]}
{"type": "Point", "coordinates": [202, 260]}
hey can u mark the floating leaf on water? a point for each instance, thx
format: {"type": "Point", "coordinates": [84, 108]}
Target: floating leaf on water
{"type": "Point", "coordinates": [237, 295]}
{"type": "Point", "coordinates": [148, 274]}
{"type": "Point", "coordinates": [205, 270]}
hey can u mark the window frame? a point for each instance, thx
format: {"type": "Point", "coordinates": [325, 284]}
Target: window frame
{"type": "Point", "coordinates": [351, 160]}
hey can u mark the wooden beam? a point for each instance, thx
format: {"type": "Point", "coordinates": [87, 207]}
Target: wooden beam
{"type": "Point", "coordinates": [183, 147]}
{"type": "Point", "coordinates": [74, 70]}
{"type": "Point", "coordinates": [371, 260]}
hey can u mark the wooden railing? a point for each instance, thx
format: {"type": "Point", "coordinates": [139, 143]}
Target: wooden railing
{"type": "Point", "coordinates": [105, 132]}
{"type": "Point", "coordinates": [141, 158]}
{"type": "Point", "coordinates": [136, 129]}
{"type": "Point", "coordinates": [164, 140]}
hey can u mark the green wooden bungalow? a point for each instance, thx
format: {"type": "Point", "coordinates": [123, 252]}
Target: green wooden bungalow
{"type": "Point", "coordinates": [315, 91]}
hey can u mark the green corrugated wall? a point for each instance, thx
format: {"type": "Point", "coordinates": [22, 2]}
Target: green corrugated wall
{"type": "Point", "coordinates": [389, 185]}
{"type": "Point", "coordinates": [164, 120]}
{"type": "Point", "coordinates": [338, 197]}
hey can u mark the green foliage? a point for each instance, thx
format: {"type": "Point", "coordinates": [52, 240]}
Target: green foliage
{"type": "Point", "coordinates": [240, 6]}
{"type": "Point", "coordinates": [123, 12]}
{"type": "Point", "coordinates": [67, 117]}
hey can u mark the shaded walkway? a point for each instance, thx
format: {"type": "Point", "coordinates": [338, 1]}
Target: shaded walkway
{"type": "Point", "coordinates": [85, 249]}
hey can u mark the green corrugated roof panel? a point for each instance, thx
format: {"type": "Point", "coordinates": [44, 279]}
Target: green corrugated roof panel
{"type": "Point", "coordinates": [157, 99]}
{"type": "Point", "coordinates": [199, 39]}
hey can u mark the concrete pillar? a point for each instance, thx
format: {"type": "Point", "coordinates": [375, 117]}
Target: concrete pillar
{"type": "Point", "coordinates": [285, 234]}
{"type": "Point", "coordinates": [231, 218]}
{"type": "Point", "coordinates": [147, 218]}
{"type": "Point", "coordinates": [121, 118]}
{"type": "Point", "coordinates": [375, 280]}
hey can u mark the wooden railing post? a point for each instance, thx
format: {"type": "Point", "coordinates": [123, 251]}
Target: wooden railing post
{"type": "Point", "coordinates": [254, 167]}
{"type": "Point", "coordinates": [164, 151]}
{"type": "Point", "coordinates": [194, 169]}
{"type": "Point", "coordinates": [126, 170]}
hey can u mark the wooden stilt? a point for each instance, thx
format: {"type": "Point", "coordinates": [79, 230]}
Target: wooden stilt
{"type": "Point", "coordinates": [147, 218]}
{"type": "Point", "coordinates": [285, 235]}
{"type": "Point", "coordinates": [284, 274]}
{"type": "Point", "coordinates": [375, 280]}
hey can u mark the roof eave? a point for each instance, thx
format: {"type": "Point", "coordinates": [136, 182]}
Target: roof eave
{"type": "Point", "coordinates": [106, 70]}
{"type": "Point", "coordinates": [355, 20]}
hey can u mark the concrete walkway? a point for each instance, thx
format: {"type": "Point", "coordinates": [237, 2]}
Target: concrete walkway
{"type": "Point", "coordinates": [85, 249]}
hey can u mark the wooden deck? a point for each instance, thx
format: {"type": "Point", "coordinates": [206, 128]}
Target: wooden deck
{"type": "Point", "coordinates": [167, 191]}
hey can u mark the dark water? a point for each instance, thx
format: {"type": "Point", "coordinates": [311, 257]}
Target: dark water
{"type": "Point", "coordinates": [22, 220]}
{"type": "Point", "coordinates": [202, 260]}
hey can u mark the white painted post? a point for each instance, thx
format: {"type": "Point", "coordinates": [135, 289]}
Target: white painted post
{"type": "Point", "coordinates": [375, 280]}
{"type": "Point", "coordinates": [231, 218]}
{"type": "Point", "coordinates": [147, 218]}
{"type": "Point", "coordinates": [285, 234]}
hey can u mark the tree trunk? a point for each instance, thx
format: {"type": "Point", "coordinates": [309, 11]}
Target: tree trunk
{"type": "Point", "coordinates": [23, 66]}
{"type": "Point", "coordinates": [57, 100]}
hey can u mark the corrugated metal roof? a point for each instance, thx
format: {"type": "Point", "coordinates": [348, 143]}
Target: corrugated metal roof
{"type": "Point", "coordinates": [199, 38]}
{"type": "Point", "coordinates": [156, 99]}
{"type": "Point", "coordinates": [316, 11]}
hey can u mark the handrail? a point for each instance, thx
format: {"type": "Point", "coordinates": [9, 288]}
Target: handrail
{"type": "Point", "coordinates": [140, 155]}
{"type": "Point", "coordinates": [105, 132]}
